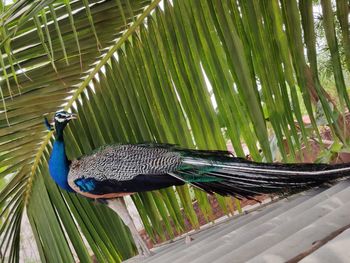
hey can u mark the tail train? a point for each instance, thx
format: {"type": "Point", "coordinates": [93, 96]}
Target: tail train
{"type": "Point", "coordinates": [217, 172]}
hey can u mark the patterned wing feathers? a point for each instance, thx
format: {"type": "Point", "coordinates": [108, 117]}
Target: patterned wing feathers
{"type": "Point", "coordinates": [124, 162]}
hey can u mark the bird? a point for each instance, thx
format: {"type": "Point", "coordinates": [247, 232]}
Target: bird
{"type": "Point", "coordinates": [114, 171]}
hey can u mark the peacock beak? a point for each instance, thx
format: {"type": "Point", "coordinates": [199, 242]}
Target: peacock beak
{"type": "Point", "coordinates": [72, 116]}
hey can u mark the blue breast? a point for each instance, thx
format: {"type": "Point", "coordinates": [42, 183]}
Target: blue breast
{"type": "Point", "coordinates": [59, 165]}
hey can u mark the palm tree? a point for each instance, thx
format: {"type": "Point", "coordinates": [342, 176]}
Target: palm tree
{"type": "Point", "coordinates": [194, 73]}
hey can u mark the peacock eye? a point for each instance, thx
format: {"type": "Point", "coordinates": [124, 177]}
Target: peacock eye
{"type": "Point", "coordinates": [60, 116]}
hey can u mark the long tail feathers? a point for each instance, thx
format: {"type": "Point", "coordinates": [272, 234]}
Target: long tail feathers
{"type": "Point", "coordinates": [245, 179]}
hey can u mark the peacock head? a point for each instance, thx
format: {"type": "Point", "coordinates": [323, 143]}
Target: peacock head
{"type": "Point", "coordinates": [61, 120]}
{"type": "Point", "coordinates": [64, 117]}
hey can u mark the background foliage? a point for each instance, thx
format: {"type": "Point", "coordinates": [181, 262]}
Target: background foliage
{"type": "Point", "coordinates": [201, 74]}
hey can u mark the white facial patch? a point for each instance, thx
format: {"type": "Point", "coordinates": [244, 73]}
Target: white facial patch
{"type": "Point", "coordinates": [60, 119]}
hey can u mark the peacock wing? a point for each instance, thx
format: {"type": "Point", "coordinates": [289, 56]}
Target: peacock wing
{"type": "Point", "coordinates": [111, 168]}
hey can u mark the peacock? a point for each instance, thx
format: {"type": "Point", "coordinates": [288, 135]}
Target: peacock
{"type": "Point", "coordinates": [118, 170]}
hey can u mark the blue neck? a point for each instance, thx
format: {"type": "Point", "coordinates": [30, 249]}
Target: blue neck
{"type": "Point", "coordinates": [59, 165]}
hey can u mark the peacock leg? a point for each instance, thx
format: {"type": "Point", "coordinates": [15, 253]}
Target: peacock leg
{"type": "Point", "coordinates": [118, 205]}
